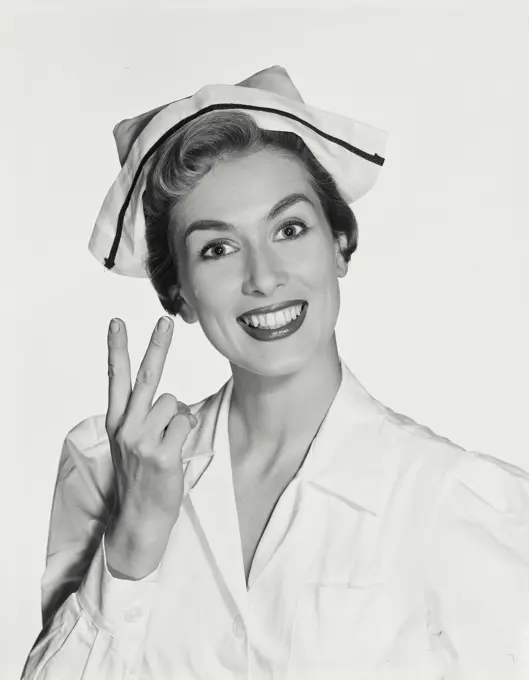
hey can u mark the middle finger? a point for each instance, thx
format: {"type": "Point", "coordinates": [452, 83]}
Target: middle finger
{"type": "Point", "coordinates": [151, 368]}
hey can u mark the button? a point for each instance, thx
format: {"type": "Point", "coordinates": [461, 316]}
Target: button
{"type": "Point", "coordinates": [133, 614]}
{"type": "Point", "coordinates": [238, 627]}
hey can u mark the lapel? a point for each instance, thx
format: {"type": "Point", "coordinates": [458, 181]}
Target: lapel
{"type": "Point", "coordinates": [355, 455]}
{"type": "Point", "coordinates": [357, 458]}
{"type": "Point", "coordinates": [209, 483]}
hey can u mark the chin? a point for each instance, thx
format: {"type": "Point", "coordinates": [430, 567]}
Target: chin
{"type": "Point", "coordinates": [276, 362]}
{"type": "Point", "coordinates": [281, 367]}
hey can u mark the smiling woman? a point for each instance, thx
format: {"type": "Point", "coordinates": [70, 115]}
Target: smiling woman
{"type": "Point", "coordinates": [289, 526]}
{"type": "Point", "coordinates": [281, 229]}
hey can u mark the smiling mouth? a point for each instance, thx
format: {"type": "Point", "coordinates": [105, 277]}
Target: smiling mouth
{"type": "Point", "coordinates": [274, 320]}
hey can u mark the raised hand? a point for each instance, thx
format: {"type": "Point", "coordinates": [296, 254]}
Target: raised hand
{"type": "Point", "coordinates": [146, 443]}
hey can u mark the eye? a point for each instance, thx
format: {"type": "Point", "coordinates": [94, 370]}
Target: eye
{"type": "Point", "coordinates": [218, 250]}
{"type": "Point", "coordinates": [292, 229]}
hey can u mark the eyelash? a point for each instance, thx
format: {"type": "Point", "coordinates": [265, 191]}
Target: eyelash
{"type": "Point", "coordinates": [220, 242]}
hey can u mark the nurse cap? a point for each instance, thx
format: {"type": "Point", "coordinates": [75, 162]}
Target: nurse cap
{"type": "Point", "coordinates": [350, 151]}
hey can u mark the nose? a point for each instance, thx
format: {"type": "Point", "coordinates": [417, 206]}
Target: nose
{"type": "Point", "coordinates": [264, 272]}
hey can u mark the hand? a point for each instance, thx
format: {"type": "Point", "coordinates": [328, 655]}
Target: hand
{"type": "Point", "coordinates": [146, 443]}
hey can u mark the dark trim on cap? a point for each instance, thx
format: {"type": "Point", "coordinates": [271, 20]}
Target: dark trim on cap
{"type": "Point", "coordinates": [110, 261]}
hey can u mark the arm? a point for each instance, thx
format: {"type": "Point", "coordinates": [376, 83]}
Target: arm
{"type": "Point", "coordinates": [94, 624]}
{"type": "Point", "coordinates": [477, 588]}
{"type": "Point", "coordinates": [124, 478]}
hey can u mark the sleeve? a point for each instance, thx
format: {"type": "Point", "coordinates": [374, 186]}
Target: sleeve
{"type": "Point", "coordinates": [94, 625]}
{"type": "Point", "coordinates": [477, 579]}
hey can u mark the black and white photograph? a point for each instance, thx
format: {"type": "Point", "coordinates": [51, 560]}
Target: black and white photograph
{"type": "Point", "coordinates": [266, 340]}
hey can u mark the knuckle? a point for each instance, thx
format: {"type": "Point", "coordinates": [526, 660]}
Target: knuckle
{"type": "Point", "coordinates": [116, 341]}
{"type": "Point", "coordinates": [183, 422]}
{"type": "Point", "coordinates": [145, 447]}
{"type": "Point", "coordinates": [123, 437]}
{"type": "Point", "coordinates": [119, 438]}
{"type": "Point", "coordinates": [165, 464]}
{"type": "Point", "coordinates": [158, 340]}
{"type": "Point", "coordinates": [170, 401]}
{"type": "Point", "coordinates": [146, 376]}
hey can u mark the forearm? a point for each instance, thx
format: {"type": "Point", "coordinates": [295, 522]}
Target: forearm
{"type": "Point", "coordinates": [135, 543]}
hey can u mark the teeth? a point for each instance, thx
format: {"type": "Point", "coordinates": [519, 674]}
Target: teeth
{"type": "Point", "coordinates": [275, 319]}
{"type": "Point", "coordinates": [280, 318]}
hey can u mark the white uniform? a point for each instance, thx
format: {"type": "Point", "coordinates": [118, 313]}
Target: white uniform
{"type": "Point", "coordinates": [392, 554]}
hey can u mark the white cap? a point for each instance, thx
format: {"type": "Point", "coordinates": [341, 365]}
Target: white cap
{"type": "Point", "coordinates": [350, 151]}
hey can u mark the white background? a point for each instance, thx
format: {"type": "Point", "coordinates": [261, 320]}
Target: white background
{"type": "Point", "coordinates": [434, 308]}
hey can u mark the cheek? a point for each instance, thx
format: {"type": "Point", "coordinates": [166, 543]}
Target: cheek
{"type": "Point", "coordinates": [317, 268]}
{"type": "Point", "coordinates": [211, 288]}
{"type": "Point", "coordinates": [322, 280]}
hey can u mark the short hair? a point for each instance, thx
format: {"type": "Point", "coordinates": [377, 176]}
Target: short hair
{"type": "Point", "coordinates": [188, 155]}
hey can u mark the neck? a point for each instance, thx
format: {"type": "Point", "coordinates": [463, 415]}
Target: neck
{"type": "Point", "coordinates": [271, 415]}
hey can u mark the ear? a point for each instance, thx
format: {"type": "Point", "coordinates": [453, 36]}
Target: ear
{"type": "Point", "coordinates": [340, 243]}
{"type": "Point", "coordinates": [187, 312]}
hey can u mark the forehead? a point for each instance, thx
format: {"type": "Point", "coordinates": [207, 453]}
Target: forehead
{"type": "Point", "coordinates": [244, 188]}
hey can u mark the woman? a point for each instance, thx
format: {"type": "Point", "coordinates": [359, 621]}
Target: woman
{"type": "Point", "coordinates": [289, 526]}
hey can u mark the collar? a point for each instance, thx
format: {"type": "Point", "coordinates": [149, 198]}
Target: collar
{"type": "Point", "coordinates": [353, 456]}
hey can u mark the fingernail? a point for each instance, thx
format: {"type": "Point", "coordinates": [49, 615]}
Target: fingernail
{"type": "Point", "coordinates": [163, 324]}
{"type": "Point", "coordinates": [114, 326]}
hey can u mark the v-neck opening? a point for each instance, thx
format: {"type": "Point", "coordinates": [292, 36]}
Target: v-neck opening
{"type": "Point", "coordinates": [222, 451]}
{"type": "Point", "coordinates": [259, 561]}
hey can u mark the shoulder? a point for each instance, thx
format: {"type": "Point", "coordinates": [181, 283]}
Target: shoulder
{"type": "Point", "coordinates": [430, 455]}
{"type": "Point", "coordinates": [481, 485]}
{"type": "Point", "coordinates": [472, 495]}
{"type": "Point", "coordinates": [482, 518]}
{"type": "Point", "coordinates": [466, 479]}
{"type": "Point", "coordinates": [417, 435]}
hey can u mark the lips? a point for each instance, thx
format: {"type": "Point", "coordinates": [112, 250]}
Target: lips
{"type": "Point", "coordinates": [272, 308]}
{"type": "Point", "coordinates": [267, 334]}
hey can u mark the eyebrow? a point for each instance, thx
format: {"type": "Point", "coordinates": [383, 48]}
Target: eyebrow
{"type": "Point", "coordinates": [219, 225]}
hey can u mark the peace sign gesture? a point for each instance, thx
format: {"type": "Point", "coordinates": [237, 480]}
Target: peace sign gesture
{"type": "Point", "coordinates": [146, 443]}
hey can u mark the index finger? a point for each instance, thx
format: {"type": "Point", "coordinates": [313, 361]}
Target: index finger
{"type": "Point", "coordinates": [151, 368]}
{"type": "Point", "coordinates": [118, 373]}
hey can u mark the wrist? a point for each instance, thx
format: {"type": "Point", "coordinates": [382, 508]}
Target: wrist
{"type": "Point", "coordinates": [135, 549]}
